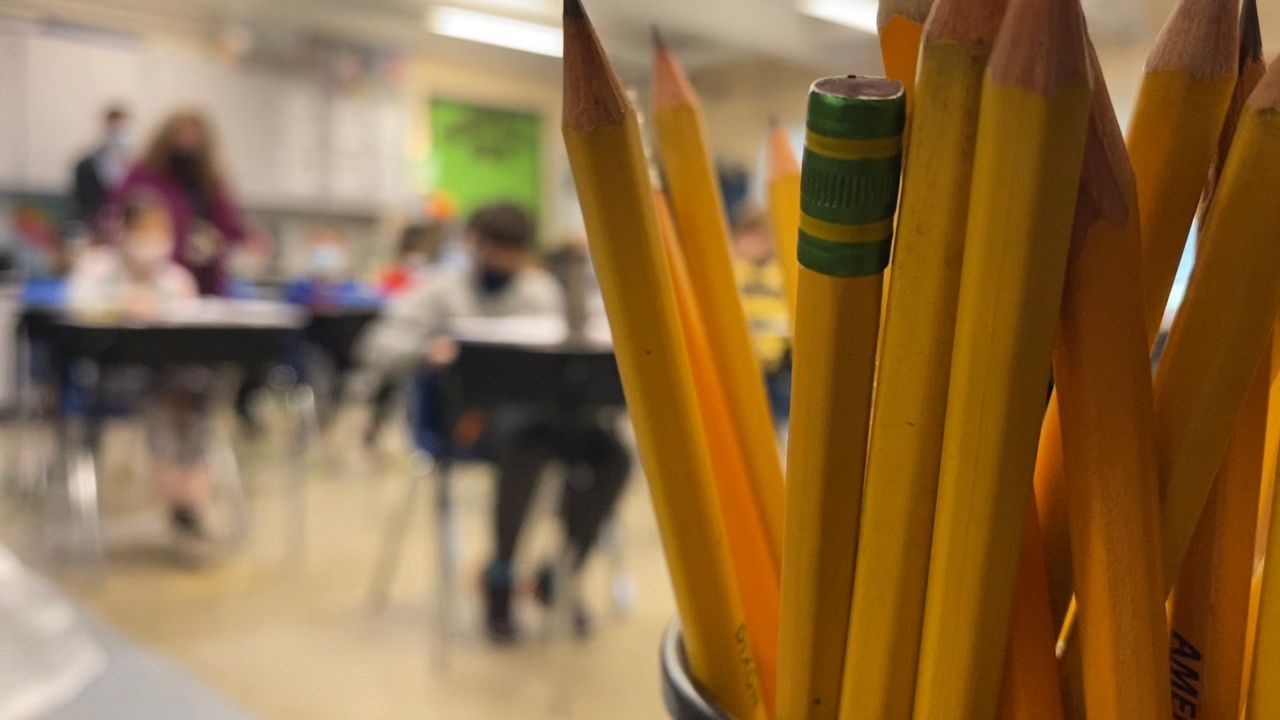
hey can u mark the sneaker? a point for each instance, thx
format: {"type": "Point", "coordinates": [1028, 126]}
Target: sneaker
{"type": "Point", "coordinates": [499, 624]}
{"type": "Point", "coordinates": [545, 591]}
{"type": "Point", "coordinates": [191, 539]}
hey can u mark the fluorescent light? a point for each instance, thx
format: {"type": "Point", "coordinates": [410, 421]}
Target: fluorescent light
{"type": "Point", "coordinates": [496, 30]}
{"type": "Point", "coordinates": [527, 7]}
{"type": "Point", "coordinates": [857, 14]}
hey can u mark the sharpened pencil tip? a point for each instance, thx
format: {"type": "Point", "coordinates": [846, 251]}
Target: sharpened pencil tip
{"type": "Point", "coordinates": [573, 9]}
{"type": "Point", "coordinates": [656, 34]}
{"type": "Point", "coordinates": [773, 122]}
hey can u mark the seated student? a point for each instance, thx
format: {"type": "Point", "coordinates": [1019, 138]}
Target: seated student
{"type": "Point", "coordinates": [416, 255]}
{"type": "Point", "coordinates": [415, 331]}
{"type": "Point", "coordinates": [135, 280]}
{"type": "Point", "coordinates": [764, 302]}
{"type": "Point", "coordinates": [418, 250]}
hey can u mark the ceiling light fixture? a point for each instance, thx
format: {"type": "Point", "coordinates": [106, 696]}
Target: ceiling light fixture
{"type": "Point", "coordinates": [496, 30]}
{"type": "Point", "coordinates": [857, 14]}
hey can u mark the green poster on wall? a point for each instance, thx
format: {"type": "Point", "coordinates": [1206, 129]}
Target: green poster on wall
{"type": "Point", "coordinates": [481, 155]}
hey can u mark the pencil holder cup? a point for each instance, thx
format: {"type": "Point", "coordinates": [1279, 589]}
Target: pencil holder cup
{"type": "Point", "coordinates": [681, 694]}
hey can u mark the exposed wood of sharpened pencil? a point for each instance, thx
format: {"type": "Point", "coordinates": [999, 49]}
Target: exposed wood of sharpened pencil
{"type": "Point", "coordinates": [1225, 323]}
{"type": "Point", "coordinates": [1103, 390]}
{"type": "Point", "coordinates": [1031, 133]}
{"type": "Point", "coordinates": [602, 136]}
{"type": "Point", "coordinates": [917, 333]}
{"type": "Point", "coordinates": [704, 238]}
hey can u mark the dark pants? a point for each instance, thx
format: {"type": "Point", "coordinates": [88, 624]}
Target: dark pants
{"type": "Point", "coordinates": [597, 465]}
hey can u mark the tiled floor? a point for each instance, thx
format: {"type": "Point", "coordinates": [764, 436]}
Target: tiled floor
{"type": "Point", "coordinates": [285, 636]}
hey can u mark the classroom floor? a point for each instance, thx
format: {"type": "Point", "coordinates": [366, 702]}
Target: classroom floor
{"type": "Point", "coordinates": [288, 635]}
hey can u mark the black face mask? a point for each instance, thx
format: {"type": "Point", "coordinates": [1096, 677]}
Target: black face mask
{"type": "Point", "coordinates": [493, 282]}
{"type": "Point", "coordinates": [184, 164]}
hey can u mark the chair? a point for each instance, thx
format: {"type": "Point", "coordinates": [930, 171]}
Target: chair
{"type": "Point", "coordinates": [434, 457]}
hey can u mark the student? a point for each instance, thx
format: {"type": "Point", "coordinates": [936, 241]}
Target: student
{"type": "Point", "coordinates": [415, 331]}
{"type": "Point", "coordinates": [418, 250]}
{"type": "Point", "coordinates": [764, 303]}
{"type": "Point", "coordinates": [137, 279]}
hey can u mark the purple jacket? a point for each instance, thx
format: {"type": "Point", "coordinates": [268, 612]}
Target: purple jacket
{"type": "Point", "coordinates": [211, 276]}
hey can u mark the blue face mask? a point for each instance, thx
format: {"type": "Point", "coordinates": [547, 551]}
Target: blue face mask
{"type": "Point", "coordinates": [493, 282]}
{"type": "Point", "coordinates": [328, 261]}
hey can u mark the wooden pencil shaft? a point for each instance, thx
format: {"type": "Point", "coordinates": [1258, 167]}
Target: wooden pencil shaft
{"type": "Point", "coordinates": [1223, 327]}
{"type": "Point", "coordinates": [1031, 132]}
{"type": "Point", "coordinates": [603, 140]}
{"type": "Point", "coordinates": [915, 358]}
{"type": "Point", "coordinates": [1103, 388]}
{"type": "Point", "coordinates": [704, 240]}
{"type": "Point", "coordinates": [849, 193]}
{"type": "Point", "coordinates": [748, 539]}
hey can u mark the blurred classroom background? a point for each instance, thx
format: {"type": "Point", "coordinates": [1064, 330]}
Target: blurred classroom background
{"type": "Point", "coordinates": [294, 318]}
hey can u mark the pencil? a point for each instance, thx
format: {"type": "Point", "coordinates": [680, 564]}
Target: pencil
{"type": "Point", "coordinates": [784, 205]}
{"type": "Point", "coordinates": [901, 25]}
{"type": "Point", "coordinates": [602, 137]}
{"type": "Point", "coordinates": [1185, 88]}
{"type": "Point", "coordinates": [1031, 132]}
{"type": "Point", "coordinates": [849, 193]}
{"type": "Point", "coordinates": [758, 586]}
{"type": "Point", "coordinates": [1050, 496]}
{"type": "Point", "coordinates": [1209, 611]}
{"type": "Point", "coordinates": [704, 240]}
{"type": "Point", "coordinates": [1250, 67]}
{"type": "Point", "coordinates": [1271, 456]}
{"type": "Point", "coordinates": [1177, 120]}
{"type": "Point", "coordinates": [1103, 385]}
{"type": "Point", "coordinates": [915, 359]}
{"type": "Point", "coordinates": [1029, 688]}
{"type": "Point", "coordinates": [1222, 330]}
{"type": "Point", "coordinates": [1263, 701]}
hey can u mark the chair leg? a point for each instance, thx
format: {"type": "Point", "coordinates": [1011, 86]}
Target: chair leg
{"type": "Point", "coordinates": [621, 583]}
{"type": "Point", "coordinates": [449, 545]}
{"type": "Point", "coordinates": [302, 408]}
{"type": "Point", "coordinates": [392, 544]}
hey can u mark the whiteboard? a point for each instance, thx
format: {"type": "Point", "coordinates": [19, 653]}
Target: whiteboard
{"type": "Point", "coordinates": [71, 79]}
{"type": "Point", "coordinates": [12, 104]}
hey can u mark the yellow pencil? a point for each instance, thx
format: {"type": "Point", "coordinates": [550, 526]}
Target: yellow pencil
{"type": "Point", "coordinates": [784, 205]}
{"type": "Point", "coordinates": [901, 25]}
{"type": "Point", "coordinates": [704, 239]}
{"type": "Point", "coordinates": [1052, 507]}
{"type": "Point", "coordinates": [1031, 132]}
{"type": "Point", "coordinates": [915, 360]}
{"type": "Point", "coordinates": [748, 542]}
{"type": "Point", "coordinates": [1225, 323]}
{"type": "Point", "coordinates": [1103, 387]}
{"type": "Point", "coordinates": [850, 190]}
{"type": "Point", "coordinates": [1209, 611]}
{"type": "Point", "coordinates": [603, 140]}
{"type": "Point", "coordinates": [1189, 74]}
{"type": "Point", "coordinates": [1264, 692]}
{"type": "Point", "coordinates": [1029, 689]}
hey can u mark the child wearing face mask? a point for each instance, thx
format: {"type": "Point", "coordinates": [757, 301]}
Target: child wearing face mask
{"type": "Point", "coordinates": [134, 281]}
{"type": "Point", "coordinates": [135, 277]}
{"type": "Point", "coordinates": [415, 333]}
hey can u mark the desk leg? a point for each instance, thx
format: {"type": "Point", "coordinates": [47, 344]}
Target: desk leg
{"type": "Point", "coordinates": [393, 538]}
{"type": "Point", "coordinates": [302, 408]}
